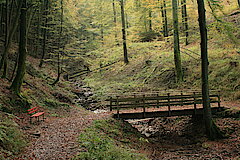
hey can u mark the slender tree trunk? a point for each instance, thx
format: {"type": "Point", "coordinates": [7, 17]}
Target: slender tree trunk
{"type": "Point", "coordinates": [177, 57]}
{"type": "Point", "coordinates": [211, 129]}
{"type": "Point", "coordinates": [17, 82]}
{"type": "Point", "coordinates": [10, 37]}
{"type": "Point", "coordinates": [165, 19]}
{"type": "Point", "coordinates": [115, 21]}
{"type": "Point", "coordinates": [59, 47]}
{"type": "Point", "coordinates": [1, 18]}
{"type": "Point", "coordinates": [4, 57]}
{"type": "Point", "coordinates": [185, 20]}
{"type": "Point", "coordinates": [44, 33]}
{"type": "Point", "coordinates": [150, 20]}
{"type": "Point", "coordinates": [37, 41]}
{"type": "Point", "coordinates": [238, 3]}
{"type": "Point", "coordinates": [124, 34]}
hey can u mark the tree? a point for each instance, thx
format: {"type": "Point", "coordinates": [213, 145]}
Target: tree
{"type": "Point", "coordinates": [114, 20]}
{"type": "Point", "coordinates": [44, 41]}
{"type": "Point", "coordinates": [177, 57]}
{"type": "Point", "coordinates": [185, 20]}
{"type": "Point", "coordinates": [9, 36]}
{"type": "Point", "coordinates": [211, 129]}
{"type": "Point", "coordinates": [60, 49]}
{"type": "Point", "coordinates": [17, 82]}
{"type": "Point", "coordinates": [164, 18]}
{"type": "Point", "coordinates": [124, 33]}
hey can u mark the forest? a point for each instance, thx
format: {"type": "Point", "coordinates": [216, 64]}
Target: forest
{"type": "Point", "coordinates": [119, 79]}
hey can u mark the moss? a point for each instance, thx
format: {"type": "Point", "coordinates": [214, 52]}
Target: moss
{"type": "Point", "coordinates": [107, 139]}
{"type": "Point", "coordinates": [11, 139]}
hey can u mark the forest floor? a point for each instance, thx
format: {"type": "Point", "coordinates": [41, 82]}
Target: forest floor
{"type": "Point", "coordinates": [176, 138]}
{"type": "Point", "coordinates": [56, 137]}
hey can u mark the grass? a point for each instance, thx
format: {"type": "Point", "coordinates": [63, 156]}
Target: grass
{"type": "Point", "coordinates": [109, 140]}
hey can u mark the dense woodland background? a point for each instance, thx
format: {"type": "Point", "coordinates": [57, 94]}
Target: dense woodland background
{"type": "Point", "coordinates": [110, 46]}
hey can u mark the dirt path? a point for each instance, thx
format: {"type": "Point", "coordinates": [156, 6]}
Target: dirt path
{"type": "Point", "coordinates": [58, 136]}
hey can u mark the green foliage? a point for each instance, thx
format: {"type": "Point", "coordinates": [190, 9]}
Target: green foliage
{"type": "Point", "coordinates": [99, 142]}
{"type": "Point", "coordinates": [11, 139]}
{"type": "Point", "coordinates": [51, 103]}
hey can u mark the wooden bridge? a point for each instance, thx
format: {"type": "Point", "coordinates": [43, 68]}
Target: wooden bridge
{"type": "Point", "coordinates": [140, 106]}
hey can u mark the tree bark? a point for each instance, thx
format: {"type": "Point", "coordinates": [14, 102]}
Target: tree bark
{"type": "Point", "coordinates": [211, 129]}
{"type": "Point", "coordinates": [10, 37]}
{"type": "Point", "coordinates": [124, 34]}
{"type": "Point", "coordinates": [17, 82]}
{"type": "Point", "coordinates": [150, 20]}
{"type": "Point", "coordinates": [177, 57]}
{"type": "Point", "coordinates": [59, 47]}
{"type": "Point", "coordinates": [115, 20]}
{"type": "Point", "coordinates": [165, 25]}
{"type": "Point", "coordinates": [44, 34]}
{"type": "Point", "coordinates": [185, 20]}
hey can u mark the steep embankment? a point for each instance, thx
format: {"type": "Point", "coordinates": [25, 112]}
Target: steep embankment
{"type": "Point", "coordinates": [151, 67]}
{"type": "Point", "coordinates": [66, 118]}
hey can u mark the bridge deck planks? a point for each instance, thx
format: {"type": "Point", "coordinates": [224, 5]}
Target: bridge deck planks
{"type": "Point", "coordinates": [185, 112]}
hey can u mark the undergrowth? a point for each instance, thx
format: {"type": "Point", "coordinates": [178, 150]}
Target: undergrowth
{"type": "Point", "coordinates": [11, 138]}
{"type": "Point", "coordinates": [151, 68]}
{"type": "Point", "coordinates": [109, 140]}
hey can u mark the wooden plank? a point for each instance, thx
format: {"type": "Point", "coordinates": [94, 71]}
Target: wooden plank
{"type": "Point", "coordinates": [129, 99]}
{"type": "Point", "coordinates": [154, 105]}
{"type": "Point", "coordinates": [185, 112]}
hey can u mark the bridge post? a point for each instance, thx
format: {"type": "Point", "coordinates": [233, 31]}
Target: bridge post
{"type": "Point", "coordinates": [136, 103]}
{"type": "Point", "coordinates": [144, 109]}
{"type": "Point", "coordinates": [181, 98]}
{"type": "Point", "coordinates": [110, 103]}
{"type": "Point", "coordinates": [117, 103]}
{"type": "Point", "coordinates": [169, 106]}
{"type": "Point", "coordinates": [219, 100]}
{"type": "Point", "coordinates": [194, 103]}
{"type": "Point", "coordinates": [157, 100]}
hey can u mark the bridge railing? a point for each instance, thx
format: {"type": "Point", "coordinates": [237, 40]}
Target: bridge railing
{"type": "Point", "coordinates": [156, 100]}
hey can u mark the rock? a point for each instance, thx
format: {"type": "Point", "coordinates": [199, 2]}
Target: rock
{"type": "Point", "coordinates": [37, 134]}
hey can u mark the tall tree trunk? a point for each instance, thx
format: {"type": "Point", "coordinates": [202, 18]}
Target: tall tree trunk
{"type": "Point", "coordinates": [150, 20]}
{"type": "Point", "coordinates": [1, 19]}
{"type": "Point", "coordinates": [44, 33]}
{"type": "Point", "coordinates": [185, 20]}
{"type": "Point", "coordinates": [115, 21]}
{"type": "Point", "coordinates": [124, 34]}
{"type": "Point", "coordinates": [165, 26]}
{"type": "Point", "coordinates": [17, 82]}
{"type": "Point", "coordinates": [10, 36]}
{"type": "Point", "coordinates": [177, 57]}
{"type": "Point", "coordinates": [4, 57]}
{"type": "Point", "coordinates": [211, 129]}
{"type": "Point", "coordinates": [59, 47]}
{"type": "Point", "coordinates": [238, 3]}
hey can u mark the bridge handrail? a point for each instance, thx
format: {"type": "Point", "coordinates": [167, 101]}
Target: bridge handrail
{"type": "Point", "coordinates": [169, 100]}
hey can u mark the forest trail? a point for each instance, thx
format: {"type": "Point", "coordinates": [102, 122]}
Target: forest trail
{"type": "Point", "coordinates": [58, 136]}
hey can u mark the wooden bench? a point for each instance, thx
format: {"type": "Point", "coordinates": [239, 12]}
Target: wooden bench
{"type": "Point", "coordinates": [34, 114]}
